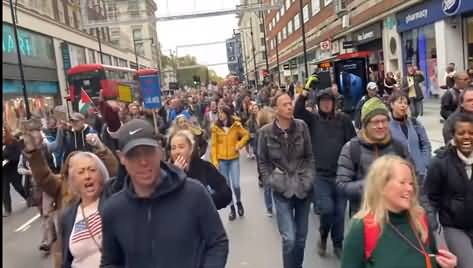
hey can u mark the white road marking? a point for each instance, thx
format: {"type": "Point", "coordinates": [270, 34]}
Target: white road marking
{"type": "Point", "coordinates": [27, 224]}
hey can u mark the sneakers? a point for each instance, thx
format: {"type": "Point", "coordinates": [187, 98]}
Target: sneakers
{"type": "Point", "coordinates": [338, 253]}
{"type": "Point", "coordinates": [232, 215]}
{"type": "Point", "coordinates": [269, 212]}
{"type": "Point", "coordinates": [322, 247]}
{"type": "Point", "coordinates": [241, 211]}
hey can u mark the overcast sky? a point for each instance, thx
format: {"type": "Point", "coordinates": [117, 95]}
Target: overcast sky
{"type": "Point", "coordinates": [194, 31]}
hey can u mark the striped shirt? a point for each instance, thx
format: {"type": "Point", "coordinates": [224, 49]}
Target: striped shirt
{"type": "Point", "coordinates": [82, 246]}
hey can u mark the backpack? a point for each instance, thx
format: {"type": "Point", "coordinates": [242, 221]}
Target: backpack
{"type": "Point", "coordinates": [372, 233]}
{"type": "Point", "coordinates": [355, 152]}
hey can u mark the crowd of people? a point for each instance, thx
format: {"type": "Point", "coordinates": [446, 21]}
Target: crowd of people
{"type": "Point", "coordinates": [122, 186]}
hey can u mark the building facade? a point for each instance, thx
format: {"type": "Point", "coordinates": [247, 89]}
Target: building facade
{"type": "Point", "coordinates": [48, 47]}
{"type": "Point", "coordinates": [251, 28]}
{"type": "Point", "coordinates": [394, 34]}
{"type": "Point", "coordinates": [141, 34]}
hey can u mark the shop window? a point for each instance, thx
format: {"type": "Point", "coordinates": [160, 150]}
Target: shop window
{"type": "Point", "coordinates": [469, 28]}
{"type": "Point", "coordinates": [420, 50]}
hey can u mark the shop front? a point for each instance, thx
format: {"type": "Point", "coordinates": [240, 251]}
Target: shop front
{"type": "Point", "coordinates": [370, 39]}
{"type": "Point", "coordinates": [432, 35]}
{"type": "Point", "coordinates": [39, 66]}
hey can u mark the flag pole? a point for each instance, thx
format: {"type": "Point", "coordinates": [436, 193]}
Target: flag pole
{"type": "Point", "coordinates": [155, 121]}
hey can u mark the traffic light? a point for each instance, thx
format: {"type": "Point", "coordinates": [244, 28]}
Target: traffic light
{"type": "Point", "coordinates": [196, 79]}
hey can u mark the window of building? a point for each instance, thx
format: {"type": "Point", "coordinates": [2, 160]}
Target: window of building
{"type": "Point", "coordinates": [288, 4]}
{"type": "Point", "coordinates": [279, 37]}
{"type": "Point", "coordinates": [282, 10]}
{"type": "Point", "coordinates": [277, 17]}
{"type": "Point", "coordinates": [261, 27]}
{"type": "Point", "coordinates": [297, 22]}
{"type": "Point", "coordinates": [133, 8]}
{"type": "Point", "coordinates": [270, 26]}
{"type": "Point", "coordinates": [91, 55]}
{"type": "Point", "coordinates": [284, 32]}
{"type": "Point", "coordinates": [290, 27]}
{"type": "Point", "coordinates": [328, 2]}
{"type": "Point", "coordinates": [305, 12]}
{"type": "Point", "coordinates": [262, 41]}
{"type": "Point", "coordinates": [137, 34]}
{"type": "Point", "coordinates": [315, 7]}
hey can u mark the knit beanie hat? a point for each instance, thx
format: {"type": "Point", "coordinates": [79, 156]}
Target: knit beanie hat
{"type": "Point", "coordinates": [372, 107]}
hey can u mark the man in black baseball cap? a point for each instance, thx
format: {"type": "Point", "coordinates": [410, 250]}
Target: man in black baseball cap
{"type": "Point", "coordinates": [160, 207]}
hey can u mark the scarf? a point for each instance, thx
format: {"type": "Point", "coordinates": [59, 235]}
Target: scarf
{"type": "Point", "coordinates": [468, 161]}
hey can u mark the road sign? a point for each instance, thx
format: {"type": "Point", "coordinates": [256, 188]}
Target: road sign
{"type": "Point", "coordinates": [151, 91]}
{"type": "Point", "coordinates": [348, 44]}
{"type": "Point", "coordinates": [325, 45]}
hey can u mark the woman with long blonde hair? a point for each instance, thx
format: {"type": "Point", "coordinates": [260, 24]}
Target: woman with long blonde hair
{"type": "Point", "coordinates": [391, 228]}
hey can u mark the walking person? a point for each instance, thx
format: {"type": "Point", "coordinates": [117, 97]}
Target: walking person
{"type": "Point", "coordinates": [182, 144]}
{"type": "Point", "coordinates": [265, 116]}
{"type": "Point", "coordinates": [465, 106]}
{"type": "Point", "coordinates": [371, 92]}
{"type": "Point", "coordinates": [287, 165]}
{"type": "Point", "coordinates": [450, 189]}
{"type": "Point", "coordinates": [11, 156]}
{"type": "Point", "coordinates": [162, 218]}
{"type": "Point", "coordinates": [412, 134]}
{"type": "Point", "coordinates": [373, 141]}
{"type": "Point", "coordinates": [411, 86]}
{"type": "Point", "coordinates": [451, 99]}
{"type": "Point", "coordinates": [391, 229]}
{"type": "Point", "coordinates": [326, 150]}
{"type": "Point", "coordinates": [227, 139]}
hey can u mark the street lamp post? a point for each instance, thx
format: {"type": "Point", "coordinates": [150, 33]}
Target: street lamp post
{"type": "Point", "coordinates": [303, 38]}
{"type": "Point", "coordinates": [254, 53]}
{"type": "Point", "coordinates": [20, 63]}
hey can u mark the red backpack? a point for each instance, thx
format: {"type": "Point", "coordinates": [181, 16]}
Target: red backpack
{"type": "Point", "coordinates": [372, 233]}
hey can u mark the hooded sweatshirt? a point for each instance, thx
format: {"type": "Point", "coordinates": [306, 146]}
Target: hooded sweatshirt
{"type": "Point", "coordinates": [75, 140]}
{"type": "Point", "coordinates": [177, 227]}
{"type": "Point", "coordinates": [326, 148]}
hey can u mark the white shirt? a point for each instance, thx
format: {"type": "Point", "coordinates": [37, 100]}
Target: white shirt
{"type": "Point", "coordinates": [83, 248]}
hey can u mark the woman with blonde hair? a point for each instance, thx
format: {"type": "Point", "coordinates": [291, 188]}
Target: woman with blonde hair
{"type": "Point", "coordinates": [391, 228]}
{"type": "Point", "coordinates": [182, 123]}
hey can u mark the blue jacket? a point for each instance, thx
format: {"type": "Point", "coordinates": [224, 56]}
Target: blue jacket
{"type": "Point", "coordinates": [417, 143]}
{"type": "Point", "coordinates": [177, 227]}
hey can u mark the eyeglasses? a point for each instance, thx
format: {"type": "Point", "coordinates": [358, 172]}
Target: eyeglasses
{"type": "Point", "coordinates": [375, 123]}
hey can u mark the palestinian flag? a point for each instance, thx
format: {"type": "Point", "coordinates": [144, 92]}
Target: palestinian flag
{"type": "Point", "coordinates": [85, 102]}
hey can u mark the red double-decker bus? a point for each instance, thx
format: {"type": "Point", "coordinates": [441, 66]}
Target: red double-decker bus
{"type": "Point", "coordinates": [112, 80]}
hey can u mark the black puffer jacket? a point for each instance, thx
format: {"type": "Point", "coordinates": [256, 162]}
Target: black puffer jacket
{"type": "Point", "coordinates": [213, 181]}
{"type": "Point", "coordinates": [450, 191]}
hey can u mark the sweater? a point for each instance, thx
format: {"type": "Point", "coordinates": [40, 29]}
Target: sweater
{"type": "Point", "coordinates": [178, 226]}
{"type": "Point", "coordinates": [391, 250]}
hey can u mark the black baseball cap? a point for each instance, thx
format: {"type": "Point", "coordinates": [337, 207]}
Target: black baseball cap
{"type": "Point", "coordinates": [136, 132]}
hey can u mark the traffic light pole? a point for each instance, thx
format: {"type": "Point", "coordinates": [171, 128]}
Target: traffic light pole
{"type": "Point", "coordinates": [20, 63]}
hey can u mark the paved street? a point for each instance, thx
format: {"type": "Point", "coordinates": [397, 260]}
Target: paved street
{"type": "Point", "coordinates": [254, 240]}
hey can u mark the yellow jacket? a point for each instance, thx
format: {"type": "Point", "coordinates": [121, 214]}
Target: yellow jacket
{"type": "Point", "coordinates": [226, 146]}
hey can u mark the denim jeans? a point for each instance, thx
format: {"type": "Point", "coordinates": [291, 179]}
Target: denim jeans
{"type": "Point", "coordinates": [268, 197]}
{"type": "Point", "coordinates": [231, 170]}
{"type": "Point", "coordinates": [416, 107]}
{"type": "Point", "coordinates": [293, 218]}
{"type": "Point", "coordinates": [331, 206]}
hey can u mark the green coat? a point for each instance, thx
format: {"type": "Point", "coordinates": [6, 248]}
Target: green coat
{"type": "Point", "coordinates": [391, 250]}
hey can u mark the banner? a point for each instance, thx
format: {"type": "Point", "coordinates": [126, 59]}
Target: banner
{"type": "Point", "coordinates": [151, 91]}
{"type": "Point", "coordinates": [124, 93]}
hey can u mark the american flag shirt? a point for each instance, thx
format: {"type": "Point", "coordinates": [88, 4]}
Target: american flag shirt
{"type": "Point", "coordinates": [82, 246]}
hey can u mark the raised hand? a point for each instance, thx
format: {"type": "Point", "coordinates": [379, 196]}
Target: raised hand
{"type": "Point", "coordinates": [94, 140]}
{"type": "Point", "coordinates": [32, 140]}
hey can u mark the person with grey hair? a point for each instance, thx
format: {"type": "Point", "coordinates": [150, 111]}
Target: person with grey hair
{"type": "Point", "coordinates": [78, 192]}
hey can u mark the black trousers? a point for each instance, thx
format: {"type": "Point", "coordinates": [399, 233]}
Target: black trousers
{"type": "Point", "coordinates": [14, 179]}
